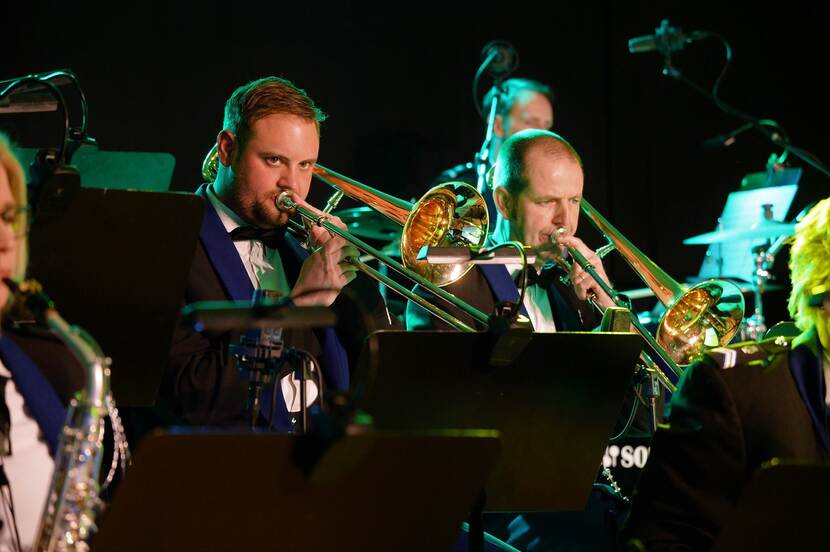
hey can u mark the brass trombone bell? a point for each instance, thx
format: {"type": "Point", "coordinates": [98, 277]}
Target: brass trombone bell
{"type": "Point", "coordinates": [452, 214]}
{"type": "Point", "coordinates": [706, 315]}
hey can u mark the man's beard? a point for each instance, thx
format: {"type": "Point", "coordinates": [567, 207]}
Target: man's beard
{"type": "Point", "coordinates": [264, 217]}
{"type": "Point", "coordinates": [256, 211]}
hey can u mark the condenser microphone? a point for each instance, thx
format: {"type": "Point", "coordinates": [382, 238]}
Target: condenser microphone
{"type": "Point", "coordinates": [503, 57]}
{"type": "Point", "coordinates": [665, 40]}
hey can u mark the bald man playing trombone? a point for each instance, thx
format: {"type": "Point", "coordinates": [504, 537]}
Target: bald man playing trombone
{"type": "Point", "coordinates": [537, 187]}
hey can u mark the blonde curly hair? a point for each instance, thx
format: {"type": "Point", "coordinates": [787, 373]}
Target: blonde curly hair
{"type": "Point", "coordinates": [809, 263]}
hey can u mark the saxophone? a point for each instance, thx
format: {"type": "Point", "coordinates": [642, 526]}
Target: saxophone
{"type": "Point", "coordinates": [74, 502]}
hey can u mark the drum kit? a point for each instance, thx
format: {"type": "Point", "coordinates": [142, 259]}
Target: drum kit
{"type": "Point", "coordinates": [775, 235]}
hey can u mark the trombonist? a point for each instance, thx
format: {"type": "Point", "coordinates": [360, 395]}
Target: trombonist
{"type": "Point", "coordinates": [269, 145]}
{"type": "Point", "coordinates": [537, 187]}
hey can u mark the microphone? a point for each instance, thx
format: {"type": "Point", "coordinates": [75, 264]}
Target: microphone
{"type": "Point", "coordinates": [720, 141]}
{"type": "Point", "coordinates": [725, 140]}
{"type": "Point", "coordinates": [502, 55]}
{"type": "Point", "coordinates": [665, 40]}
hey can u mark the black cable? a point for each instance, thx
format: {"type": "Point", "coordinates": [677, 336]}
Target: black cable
{"type": "Point", "coordinates": [273, 409]}
{"type": "Point", "coordinates": [477, 78]}
{"type": "Point", "coordinates": [780, 138]}
{"type": "Point", "coordinates": [628, 422]}
{"type": "Point", "coordinates": [84, 109]}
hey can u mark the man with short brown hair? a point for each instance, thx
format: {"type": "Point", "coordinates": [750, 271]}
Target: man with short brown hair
{"type": "Point", "coordinates": [268, 146]}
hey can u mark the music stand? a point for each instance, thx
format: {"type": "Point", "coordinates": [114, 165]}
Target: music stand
{"type": "Point", "coordinates": [121, 170]}
{"type": "Point", "coordinates": [555, 406]}
{"type": "Point", "coordinates": [262, 491]}
{"type": "Point", "coordinates": [116, 263]}
{"type": "Point", "coordinates": [780, 509]}
{"type": "Point", "coordinates": [742, 210]}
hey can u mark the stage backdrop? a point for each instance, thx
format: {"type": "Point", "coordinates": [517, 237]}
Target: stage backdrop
{"type": "Point", "coordinates": [396, 82]}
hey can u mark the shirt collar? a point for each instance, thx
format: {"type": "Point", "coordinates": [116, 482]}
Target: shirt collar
{"type": "Point", "coordinates": [230, 220]}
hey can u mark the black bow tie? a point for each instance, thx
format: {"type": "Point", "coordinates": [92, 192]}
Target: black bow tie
{"type": "Point", "coordinates": [543, 279]}
{"type": "Point", "coordinates": [270, 237]}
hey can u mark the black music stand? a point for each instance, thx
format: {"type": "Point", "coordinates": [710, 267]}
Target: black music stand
{"type": "Point", "coordinates": [781, 508]}
{"type": "Point", "coordinates": [116, 263]}
{"type": "Point", "coordinates": [261, 491]}
{"type": "Point", "coordinates": [555, 406]}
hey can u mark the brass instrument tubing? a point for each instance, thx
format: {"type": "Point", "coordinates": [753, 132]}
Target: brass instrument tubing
{"type": "Point", "coordinates": [286, 203]}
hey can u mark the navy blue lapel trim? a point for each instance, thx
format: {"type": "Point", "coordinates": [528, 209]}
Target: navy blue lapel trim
{"type": "Point", "coordinates": [805, 367]}
{"type": "Point", "coordinates": [502, 285]}
{"type": "Point", "coordinates": [38, 394]}
{"type": "Point", "coordinates": [222, 253]}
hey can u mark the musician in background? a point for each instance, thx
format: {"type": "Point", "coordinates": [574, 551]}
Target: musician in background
{"type": "Point", "coordinates": [523, 103]}
{"type": "Point", "coordinates": [33, 400]}
{"type": "Point", "coordinates": [269, 145]}
{"type": "Point", "coordinates": [739, 407]}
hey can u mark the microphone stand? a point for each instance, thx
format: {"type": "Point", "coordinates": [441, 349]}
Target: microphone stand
{"type": "Point", "coordinates": [500, 60]}
{"type": "Point", "coordinates": [670, 70]}
{"type": "Point", "coordinates": [483, 157]}
{"type": "Point", "coordinates": [257, 356]}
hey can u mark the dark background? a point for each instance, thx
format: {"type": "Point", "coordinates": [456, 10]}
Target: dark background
{"type": "Point", "coordinates": [396, 82]}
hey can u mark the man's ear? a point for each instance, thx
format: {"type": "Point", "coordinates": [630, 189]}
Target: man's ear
{"type": "Point", "coordinates": [227, 147]}
{"type": "Point", "coordinates": [488, 176]}
{"type": "Point", "coordinates": [498, 126]}
{"type": "Point", "coordinates": [504, 202]}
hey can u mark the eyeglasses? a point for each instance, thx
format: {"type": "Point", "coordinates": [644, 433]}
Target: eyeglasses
{"type": "Point", "coordinates": [16, 218]}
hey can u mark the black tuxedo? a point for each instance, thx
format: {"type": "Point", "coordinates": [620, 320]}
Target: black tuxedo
{"type": "Point", "coordinates": [732, 411]}
{"type": "Point", "coordinates": [45, 373]}
{"type": "Point", "coordinates": [202, 385]}
{"type": "Point", "coordinates": [485, 285]}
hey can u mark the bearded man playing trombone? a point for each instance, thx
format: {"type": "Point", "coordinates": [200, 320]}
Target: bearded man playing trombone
{"type": "Point", "coordinates": [268, 146]}
{"type": "Point", "coordinates": [537, 187]}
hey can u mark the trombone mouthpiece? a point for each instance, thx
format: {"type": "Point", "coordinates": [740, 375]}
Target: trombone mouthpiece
{"type": "Point", "coordinates": [284, 202]}
{"type": "Point", "coordinates": [559, 232]}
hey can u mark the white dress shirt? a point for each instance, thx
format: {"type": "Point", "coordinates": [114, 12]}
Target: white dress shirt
{"type": "Point", "coordinates": [263, 265]}
{"type": "Point", "coordinates": [265, 269]}
{"type": "Point", "coordinates": [29, 470]}
{"type": "Point", "coordinates": [536, 302]}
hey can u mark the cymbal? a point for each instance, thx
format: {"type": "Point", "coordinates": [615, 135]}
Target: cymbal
{"type": "Point", "coordinates": [365, 222]}
{"type": "Point", "coordinates": [766, 229]}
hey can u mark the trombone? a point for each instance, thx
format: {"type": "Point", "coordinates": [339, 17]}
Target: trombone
{"type": "Point", "coordinates": [707, 314]}
{"type": "Point", "coordinates": [449, 215]}
{"type": "Point", "coordinates": [454, 215]}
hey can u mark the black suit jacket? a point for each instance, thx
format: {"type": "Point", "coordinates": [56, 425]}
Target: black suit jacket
{"type": "Point", "coordinates": [732, 411]}
{"type": "Point", "coordinates": [202, 385]}
{"type": "Point", "coordinates": [484, 286]}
